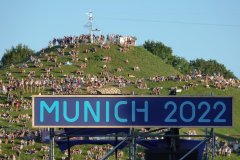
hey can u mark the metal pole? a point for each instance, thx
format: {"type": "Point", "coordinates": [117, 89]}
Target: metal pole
{"type": "Point", "coordinates": [91, 29]}
{"type": "Point", "coordinates": [213, 143]}
{"type": "Point", "coordinates": [173, 145]}
{"type": "Point", "coordinates": [116, 151]}
{"type": "Point", "coordinates": [68, 143]}
{"type": "Point", "coordinates": [129, 151]}
{"type": "Point", "coordinates": [133, 145]}
{"type": "Point", "coordinates": [130, 144]}
{"type": "Point", "coordinates": [51, 132]}
{"type": "Point", "coordinates": [91, 35]}
{"type": "Point", "coordinates": [206, 132]}
{"type": "Point", "coordinates": [135, 149]}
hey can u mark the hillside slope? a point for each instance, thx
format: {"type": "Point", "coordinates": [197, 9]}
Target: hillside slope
{"type": "Point", "coordinates": [98, 68]}
{"type": "Point", "coordinates": [148, 64]}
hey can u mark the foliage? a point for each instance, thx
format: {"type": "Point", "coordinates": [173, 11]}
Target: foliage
{"type": "Point", "coordinates": [16, 54]}
{"type": "Point", "coordinates": [210, 67]}
{"type": "Point", "coordinates": [181, 64]}
{"type": "Point", "coordinates": [160, 50]}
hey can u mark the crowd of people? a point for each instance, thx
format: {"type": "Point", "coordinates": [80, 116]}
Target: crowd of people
{"type": "Point", "coordinates": [19, 139]}
{"type": "Point", "coordinates": [15, 89]}
{"type": "Point", "coordinates": [197, 78]}
{"type": "Point", "coordinates": [72, 84]}
{"type": "Point", "coordinates": [96, 39]}
{"type": "Point", "coordinates": [224, 148]}
{"type": "Point", "coordinates": [96, 152]}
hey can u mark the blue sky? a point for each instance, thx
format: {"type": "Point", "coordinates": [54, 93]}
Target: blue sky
{"type": "Point", "coordinates": [208, 29]}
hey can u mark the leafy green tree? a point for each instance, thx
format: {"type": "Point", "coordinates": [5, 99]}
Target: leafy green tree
{"type": "Point", "coordinates": [159, 49]}
{"type": "Point", "coordinates": [16, 54]}
{"type": "Point", "coordinates": [165, 53]}
{"type": "Point", "coordinates": [181, 64]}
{"type": "Point", "coordinates": [211, 67]}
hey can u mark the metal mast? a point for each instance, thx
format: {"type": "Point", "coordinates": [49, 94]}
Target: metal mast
{"type": "Point", "coordinates": [90, 24]}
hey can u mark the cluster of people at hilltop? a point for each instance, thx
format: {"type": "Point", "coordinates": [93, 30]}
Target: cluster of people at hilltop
{"type": "Point", "coordinates": [97, 39]}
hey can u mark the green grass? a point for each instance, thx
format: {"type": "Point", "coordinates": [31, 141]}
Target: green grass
{"type": "Point", "coordinates": [149, 65]}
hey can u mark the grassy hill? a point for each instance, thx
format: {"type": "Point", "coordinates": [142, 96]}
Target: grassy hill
{"type": "Point", "coordinates": [137, 56]}
{"type": "Point", "coordinates": [148, 64]}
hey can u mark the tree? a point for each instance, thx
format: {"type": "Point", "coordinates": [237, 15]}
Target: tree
{"type": "Point", "coordinates": [16, 54]}
{"type": "Point", "coordinates": [159, 49]}
{"type": "Point", "coordinates": [181, 64]}
{"type": "Point", "coordinates": [211, 67]}
{"type": "Point", "coordinates": [165, 53]}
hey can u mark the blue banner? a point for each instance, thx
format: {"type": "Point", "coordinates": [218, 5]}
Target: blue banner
{"type": "Point", "coordinates": [131, 111]}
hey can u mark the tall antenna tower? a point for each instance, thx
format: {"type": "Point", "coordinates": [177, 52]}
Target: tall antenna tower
{"type": "Point", "coordinates": [90, 24]}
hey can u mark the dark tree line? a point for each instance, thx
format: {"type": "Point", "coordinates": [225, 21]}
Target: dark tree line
{"type": "Point", "coordinates": [16, 55]}
{"type": "Point", "coordinates": [210, 67]}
